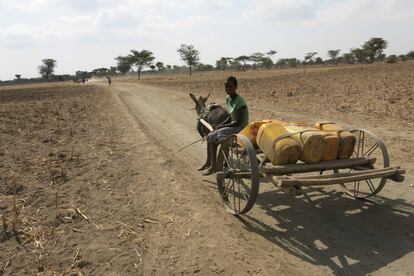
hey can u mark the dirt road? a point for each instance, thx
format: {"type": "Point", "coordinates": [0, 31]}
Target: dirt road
{"type": "Point", "coordinates": [320, 232]}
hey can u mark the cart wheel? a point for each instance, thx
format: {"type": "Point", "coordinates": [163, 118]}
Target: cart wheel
{"type": "Point", "coordinates": [371, 146]}
{"type": "Point", "coordinates": [237, 174]}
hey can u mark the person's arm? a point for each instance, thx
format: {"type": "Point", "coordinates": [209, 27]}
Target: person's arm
{"type": "Point", "coordinates": [237, 122]}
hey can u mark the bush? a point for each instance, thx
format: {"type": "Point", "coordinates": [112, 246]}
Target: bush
{"type": "Point", "coordinates": [391, 59]}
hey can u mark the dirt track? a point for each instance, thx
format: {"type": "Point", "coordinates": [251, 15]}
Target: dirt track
{"type": "Point", "coordinates": [312, 234]}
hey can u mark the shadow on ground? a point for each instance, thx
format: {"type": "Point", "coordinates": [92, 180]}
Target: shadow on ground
{"type": "Point", "coordinates": [327, 228]}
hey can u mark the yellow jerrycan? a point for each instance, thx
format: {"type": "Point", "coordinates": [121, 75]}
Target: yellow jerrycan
{"type": "Point", "coordinates": [330, 144]}
{"type": "Point", "coordinates": [284, 151]}
{"type": "Point", "coordinates": [346, 139]}
{"type": "Point", "coordinates": [311, 141]}
{"type": "Point", "coordinates": [251, 130]}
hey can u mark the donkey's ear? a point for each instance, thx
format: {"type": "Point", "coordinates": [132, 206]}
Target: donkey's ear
{"type": "Point", "coordinates": [205, 99]}
{"type": "Point", "coordinates": [194, 98]}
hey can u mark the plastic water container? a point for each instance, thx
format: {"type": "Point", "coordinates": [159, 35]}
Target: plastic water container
{"type": "Point", "coordinates": [251, 130]}
{"type": "Point", "coordinates": [285, 151]}
{"type": "Point", "coordinates": [311, 141]}
{"type": "Point", "coordinates": [330, 146]}
{"type": "Point", "coordinates": [346, 139]}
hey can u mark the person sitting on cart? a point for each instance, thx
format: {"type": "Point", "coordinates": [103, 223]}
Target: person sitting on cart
{"type": "Point", "coordinates": [239, 113]}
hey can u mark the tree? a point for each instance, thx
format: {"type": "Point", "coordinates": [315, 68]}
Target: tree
{"type": "Point", "coordinates": [47, 68]}
{"type": "Point", "coordinates": [189, 55]}
{"type": "Point", "coordinates": [17, 76]}
{"type": "Point", "coordinates": [140, 59]}
{"type": "Point", "coordinates": [309, 57]}
{"type": "Point", "coordinates": [223, 62]}
{"type": "Point", "coordinates": [361, 55]}
{"type": "Point", "coordinates": [291, 62]}
{"type": "Point", "coordinates": [410, 55]}
{"type": "Point", "coordinates": [270, 54]}
{"type": "Point", "coordinates": [242, 59]}
{"type": "Point", "coordinates": [112, 70]}
{"type": "Point", "coordinates": [81, 74]}
{"type": "Point", "coordinates": [100, 71]}
{"type": "Point", "coordinates": [402, 57]}
{"type": "Point", "coordinates": [267, 62]}
{"type": "Point", "coordinates": [204, 67]}
{"type": "Point", "coordinates": [318, 60]}
{"type": "Point", "coordinates": [375, 46]}
{"type": "Point", "coordinates": [152, 67]}
{"type": "Point", "coordinates": [256, 58]}
{"type": "Point", "coordinates": [160, 66]}
{"type": "Point", "coordinates": [391, 59]}
{"type": "Point", "coordinates": [348, 58]}
{"type": "Point", "coordinates": [333, 55]}
{"type": "Point", "coordinates": [123, 64]}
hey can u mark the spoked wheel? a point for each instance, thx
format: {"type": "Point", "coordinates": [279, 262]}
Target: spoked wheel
{"type": "Point", "coordinates": [237, 174]}
{"type": "Point", "coordinates": [367, 145]}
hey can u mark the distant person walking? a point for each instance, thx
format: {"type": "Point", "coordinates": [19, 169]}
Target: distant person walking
{"type": "Point", "coordinates": [109, 80]}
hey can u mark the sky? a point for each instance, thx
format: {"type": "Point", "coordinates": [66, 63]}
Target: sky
{"type": "Point", "coordinates": [89, 34]}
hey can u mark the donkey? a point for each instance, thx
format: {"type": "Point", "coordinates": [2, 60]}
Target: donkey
{"type": "Point", "coordinates": [213, 114]}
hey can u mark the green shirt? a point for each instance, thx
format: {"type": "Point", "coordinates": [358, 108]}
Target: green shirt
{"type": "Point", "coordinates": [233, 106]}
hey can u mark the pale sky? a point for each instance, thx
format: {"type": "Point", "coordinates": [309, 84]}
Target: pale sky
{"type": "Point", "coordinates": [88, 34]}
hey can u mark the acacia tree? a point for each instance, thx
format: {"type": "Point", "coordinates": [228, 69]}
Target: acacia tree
{"type": "Point", "coordinates": [47, 68]}
{"type": "Point", "coordinates": [270, 54]}
{"type": "Point", "coordinates": [242, 59]}
{"type": "Point", "coordinates": [112, 70]}
{"type": "Point", "coordinates": [267, 62]}
{"type": "Point", "coordinates": [160, 66]}
{"type": "Point", "coordinates": [309, 57]}
{"type": "Point", "coordinates": [375, 46]}
{"type": "Point", "coordinates": [140, 59]}
{"type": "Point", "coordinates": [256, 58]}
{"type": "Point", "coordinates": [333, 55]}
{"type": "Point", "coordinates": [223, 62]}
{"type": "Point", "coordinates": [410, 55]}
{"type": "Point", "coordinates": [348, 58]}
{"type": "Point", "coordinates": [189, 55]}
{"type": "Point", "coordinates": [361, 55]}
{"type": "Point", "coordinates": [123, 64]}
{"type": "Point", "coordinates": [17, 76]}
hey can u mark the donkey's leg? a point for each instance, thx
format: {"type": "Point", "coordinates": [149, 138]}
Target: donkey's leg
{"type": "Point", "coordinates": [213, 157]}
{"type": "Point", "coordinates": [208, 161]}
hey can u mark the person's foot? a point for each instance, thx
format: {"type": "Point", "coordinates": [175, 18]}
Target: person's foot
{"type": "Point", "coordinates": [208, 171]}
{"type": "Point", "coordinates": [202, 168]}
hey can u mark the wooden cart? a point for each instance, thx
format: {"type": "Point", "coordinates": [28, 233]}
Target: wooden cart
{"type": "Point", "coordinates": [241, 168]}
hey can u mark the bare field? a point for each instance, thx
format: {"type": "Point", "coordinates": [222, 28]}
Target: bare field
{"type": "Point", "coordinates": [61, 147]}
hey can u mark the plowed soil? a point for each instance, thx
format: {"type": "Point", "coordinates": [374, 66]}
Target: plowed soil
{"type": "Point", "coordinates": [92, 181]}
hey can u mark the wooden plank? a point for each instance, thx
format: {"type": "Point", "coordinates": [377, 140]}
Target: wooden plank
{"type": "Point", "coordinates": [207, 125]}
{"type": "Point", "coordinates": [320, 166]}
{"type": "Point", "coordinates": [231, 174]}
{"type": "Point", "coordinates": [336, 175]}
{"type": "Point", "coordinates": [356, 176]}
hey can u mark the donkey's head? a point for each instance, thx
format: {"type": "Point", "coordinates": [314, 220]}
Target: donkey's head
{"type": "Point", "coordinates": [200, 103]}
